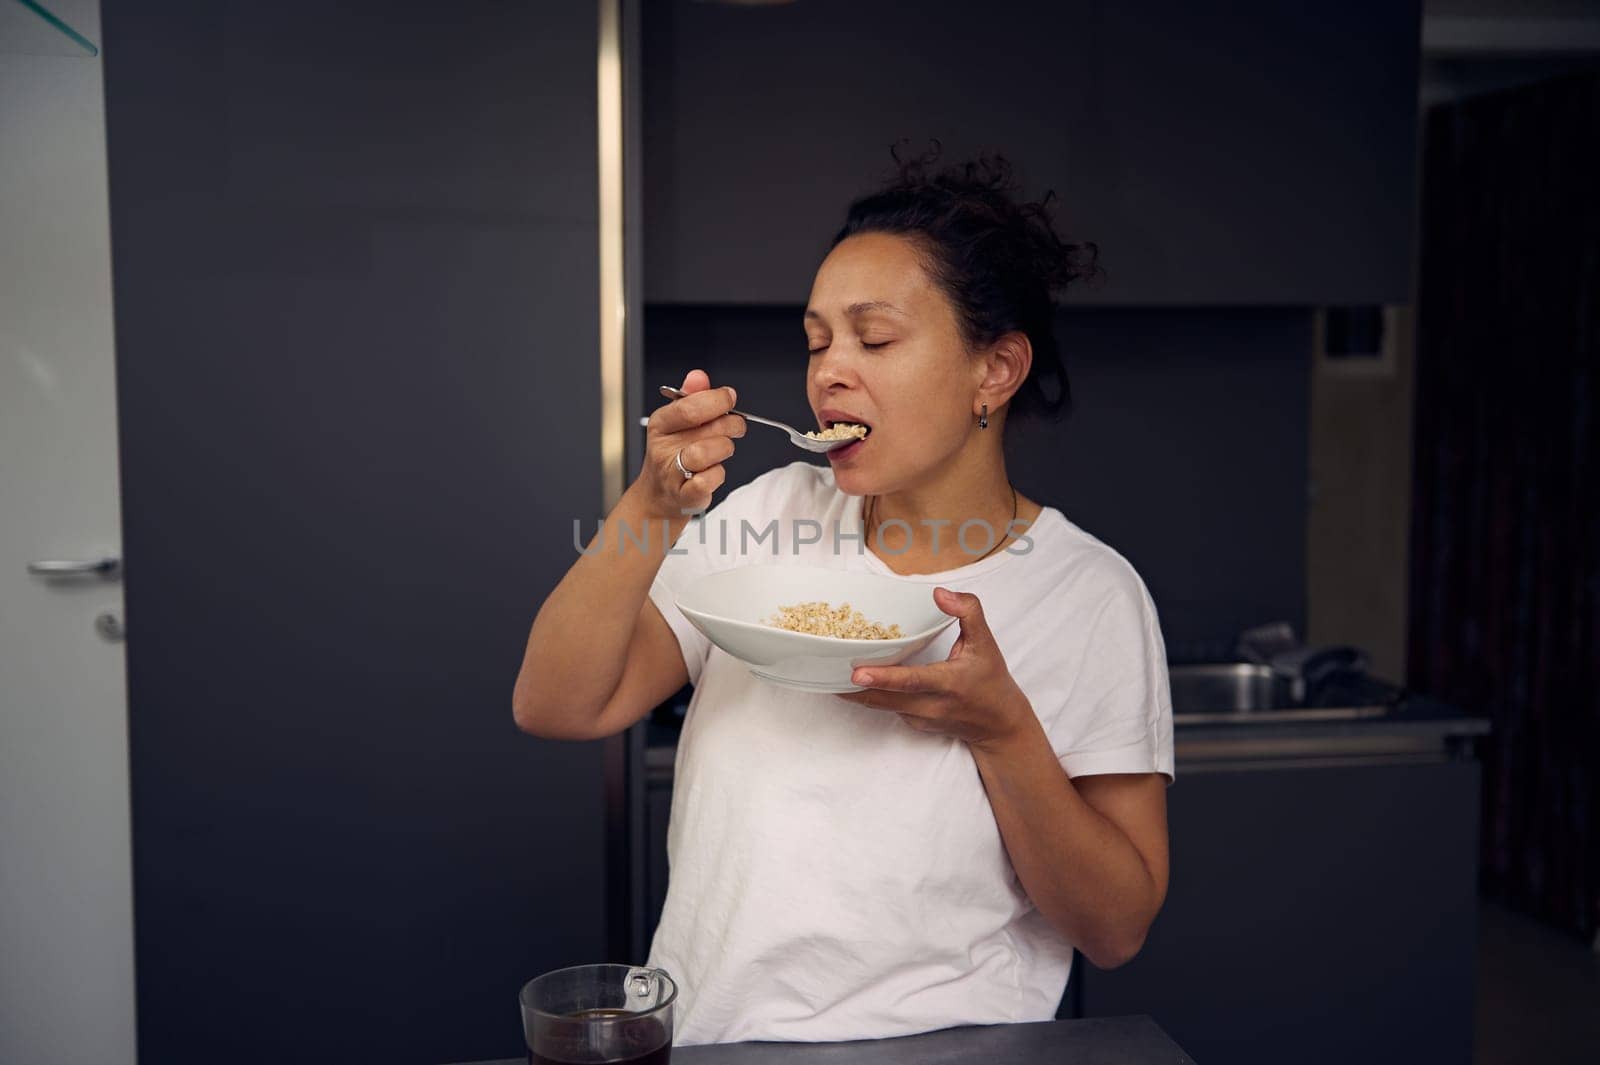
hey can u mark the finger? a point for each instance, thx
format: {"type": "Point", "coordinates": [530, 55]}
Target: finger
{"type": "Point", "coordinates": [912, 680]}
{"type": "Point", "coordinates": [695, 493]}
{"type": "Point", "coordinates": [888, 702]}
{"type": "Point", "coordinates": [968, 610]}
{"type": "Point", "coordinates": [695, 381]}
{"type": "Point", "coordinates": [693, 410]}
{"type": "Point", "coordinates": [910, 709]}
{"type": "Point", "coordinates": [704, 454]}
{"type": "Point", "coordinates": [729, 425]}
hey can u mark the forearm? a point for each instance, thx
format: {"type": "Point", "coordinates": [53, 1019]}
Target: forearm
{"type": "Point", "coordinates": [1082, 872]}
{"type": "Point", "coordinates": [578, 645]}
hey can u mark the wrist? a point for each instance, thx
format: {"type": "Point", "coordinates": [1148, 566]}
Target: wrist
{"type": "Point", "coordinates": [638, 505]}
{"type": "Point", "coordinates": [1019, 734]}
{"type": "Point", "coordinates": [634, 524]}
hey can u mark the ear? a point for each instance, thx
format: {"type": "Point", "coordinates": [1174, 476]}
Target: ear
{"type": "Point", "coordinates": [1005, 367]}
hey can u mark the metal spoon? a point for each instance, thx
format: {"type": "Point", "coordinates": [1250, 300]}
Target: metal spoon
{"type": "Point", "coordinates": [796, 437]}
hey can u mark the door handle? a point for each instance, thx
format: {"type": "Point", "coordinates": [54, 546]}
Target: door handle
{"type": "Point", "coordinates": [94, 567]}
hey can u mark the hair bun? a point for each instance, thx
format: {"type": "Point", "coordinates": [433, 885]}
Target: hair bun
{"type": "Point", "coordinates": [996, 255]}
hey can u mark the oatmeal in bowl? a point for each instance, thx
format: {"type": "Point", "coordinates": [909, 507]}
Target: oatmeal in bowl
{"type": "Point", "coordinates": [807, 627]}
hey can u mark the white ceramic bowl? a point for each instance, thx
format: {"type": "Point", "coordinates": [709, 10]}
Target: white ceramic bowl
{"type": "Point", "coordinates": [729, 607]}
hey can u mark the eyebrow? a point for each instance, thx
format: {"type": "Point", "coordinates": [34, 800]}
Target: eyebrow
{"type": "Point", "coordinates": [860, 308]}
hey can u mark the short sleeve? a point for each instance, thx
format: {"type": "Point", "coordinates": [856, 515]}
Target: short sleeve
{"type": "Point", "coordinates": [676, 573]}
{"type": "Point", "coordinates": [693, 556]}
{"type": "Point", "coordinates": [1117, 715]}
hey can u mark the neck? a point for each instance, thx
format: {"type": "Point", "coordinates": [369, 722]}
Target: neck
{"type": "Point", "coordinates": [975, 486]}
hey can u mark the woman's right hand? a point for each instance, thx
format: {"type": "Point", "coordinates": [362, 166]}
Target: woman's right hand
{"type": "Point", "coordinates": [700, 428]}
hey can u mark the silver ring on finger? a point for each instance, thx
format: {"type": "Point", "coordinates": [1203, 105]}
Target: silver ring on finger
{"type": "Point", "coordinates": [678, 458]}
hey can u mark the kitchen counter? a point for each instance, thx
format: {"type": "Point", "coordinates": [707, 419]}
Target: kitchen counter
{"type": "Point", "coordinates": [1417, 730]}
{"type": "Point", "coordinates": [1101, 1041]}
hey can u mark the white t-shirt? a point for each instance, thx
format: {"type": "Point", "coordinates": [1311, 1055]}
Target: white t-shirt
{"type": "Point", "coordinates": [836, 874]}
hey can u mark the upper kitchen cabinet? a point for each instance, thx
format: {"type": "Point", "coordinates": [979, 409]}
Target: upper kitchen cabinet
{"type": "Point", "coordinates": [1263, 158]}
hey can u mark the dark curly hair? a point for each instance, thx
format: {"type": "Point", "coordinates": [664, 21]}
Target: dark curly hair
{"type": "Point", "coordinates": [997, 258]}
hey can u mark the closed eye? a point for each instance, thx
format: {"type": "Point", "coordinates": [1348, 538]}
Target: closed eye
{"type": "Point", "coordinates": [875, 347]}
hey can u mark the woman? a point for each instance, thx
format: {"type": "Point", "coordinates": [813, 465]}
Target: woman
{"type": "Point", "coordinates": [928, 851]}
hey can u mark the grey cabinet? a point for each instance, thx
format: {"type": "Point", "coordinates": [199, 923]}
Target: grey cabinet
{"type": "Point", "coordinates": [1315, 915]}
{"type": "Point", "coordinates": [355, 286]}
{"type": "Point", "coordinates": [1261, 154]}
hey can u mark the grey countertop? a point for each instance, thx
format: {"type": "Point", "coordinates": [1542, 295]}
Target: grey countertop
{"type": "Point", "coordinates": [1417, 730]}
{"type": "Point", "coordinates": [1098, 1041]}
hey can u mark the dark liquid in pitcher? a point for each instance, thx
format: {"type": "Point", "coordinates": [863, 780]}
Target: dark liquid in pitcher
{"type": "Point", "coordinates": [655, 1047]}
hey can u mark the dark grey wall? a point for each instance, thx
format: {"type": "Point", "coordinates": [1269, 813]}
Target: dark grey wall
{"type": "Point", "coordinates": [1264, 153]}
{"type": "Point", "coordinates": [355, 285]}
{"type": "Point", "coordinates": [1186, 451]}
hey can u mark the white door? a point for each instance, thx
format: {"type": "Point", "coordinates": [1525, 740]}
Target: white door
{"type": "Point", "coordinates": [66, 913]}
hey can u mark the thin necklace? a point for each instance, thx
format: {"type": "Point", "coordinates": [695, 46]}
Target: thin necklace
{"type": "Point", "coordinates": [872, 506]}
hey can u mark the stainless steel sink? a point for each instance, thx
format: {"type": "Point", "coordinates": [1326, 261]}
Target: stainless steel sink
{"type": "Point", "coordinates": [1239, 692]}
{"type": "Point", "coordinates": [1228, 688]}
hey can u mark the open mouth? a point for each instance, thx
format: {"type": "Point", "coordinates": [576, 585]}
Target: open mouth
{"type": "Point", "coordinates": [841, 451]}
{"type": "Point", "coordinates": [842, 430]}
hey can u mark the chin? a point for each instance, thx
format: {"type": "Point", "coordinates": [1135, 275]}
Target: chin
{"type": "Point", "coordinates": [851, 482]}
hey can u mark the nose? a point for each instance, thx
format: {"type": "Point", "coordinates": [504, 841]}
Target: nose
{"type": "Point", "coordinates": [831, 368]}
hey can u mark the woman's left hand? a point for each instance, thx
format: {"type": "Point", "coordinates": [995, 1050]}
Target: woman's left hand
{"type": "Point", "coordinates": [970, 695]}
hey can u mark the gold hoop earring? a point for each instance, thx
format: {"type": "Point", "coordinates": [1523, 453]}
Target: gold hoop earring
{"type": "Point", "coordinates": [983, 419]}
